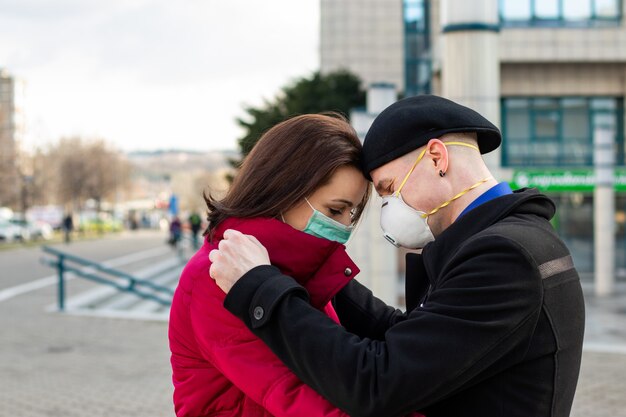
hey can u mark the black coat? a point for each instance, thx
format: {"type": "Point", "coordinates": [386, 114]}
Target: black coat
{"type": "Point", "coordinates": [494, 327]}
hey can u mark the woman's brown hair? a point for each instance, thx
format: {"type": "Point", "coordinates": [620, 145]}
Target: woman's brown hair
{"type": "Point", "coordinates": [289, 162]}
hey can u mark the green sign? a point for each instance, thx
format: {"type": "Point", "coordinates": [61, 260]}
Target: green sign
{"type": "Point", "coordinates": [559, 180]}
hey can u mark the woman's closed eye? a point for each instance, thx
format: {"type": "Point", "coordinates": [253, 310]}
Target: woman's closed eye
{"type": "Point", "coordinates": [335, 212]}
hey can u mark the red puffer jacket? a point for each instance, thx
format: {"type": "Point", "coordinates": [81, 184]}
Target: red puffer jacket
{"type": "Point", "coordinates": [219, 367]}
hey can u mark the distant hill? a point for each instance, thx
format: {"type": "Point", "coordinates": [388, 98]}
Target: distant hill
{"type": "Point", "coordinates": [158, 163]}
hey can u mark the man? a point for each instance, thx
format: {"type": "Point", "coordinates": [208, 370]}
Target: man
{"type": "Point", "coordinates": [68, 226]}
{"type": "Point", "coordinates": [195, 222]}
{"type": "Point", "coordinates": [495, 313]}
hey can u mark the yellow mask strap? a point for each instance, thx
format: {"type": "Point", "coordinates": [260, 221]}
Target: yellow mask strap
{"type": "Point", "coordinates": [421, 155]}
{"type": "Point", "coordinates": [459, 195]}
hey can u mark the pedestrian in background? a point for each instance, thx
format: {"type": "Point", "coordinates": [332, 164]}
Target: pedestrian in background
{"type": "Point", "coordinates": [195, 224]}
{"type": "Point", "coordinates": [176, 232]}
{"type": "Point", "coordinates": [68, 227]}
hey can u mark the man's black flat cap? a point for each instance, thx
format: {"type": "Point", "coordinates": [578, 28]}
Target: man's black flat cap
{"type": "Point", "coordinates": [410, 123]}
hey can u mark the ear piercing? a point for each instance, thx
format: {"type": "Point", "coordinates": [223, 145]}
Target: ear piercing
{"type": "Point", "coordinates": [441, 173]}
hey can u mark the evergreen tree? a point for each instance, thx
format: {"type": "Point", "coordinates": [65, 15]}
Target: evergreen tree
{"type": "Point", "coordinates": [337, 91]}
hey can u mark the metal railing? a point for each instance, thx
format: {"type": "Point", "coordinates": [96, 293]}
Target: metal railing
{"type": "Point", "coordinates": [122, 281]}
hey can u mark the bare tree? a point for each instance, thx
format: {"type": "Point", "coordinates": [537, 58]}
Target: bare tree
{"type": "Point", "coordinates": [108, 171]}
{"type": "Point", "coordinates": [87, 169]}
{"type": "Point", "coordinates": [41, 191]}
{"type": "Point", "coordinates": [70, 171]}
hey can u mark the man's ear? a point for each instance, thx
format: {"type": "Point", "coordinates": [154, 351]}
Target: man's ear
{"type": "Point", "coordinates": [438, 154]}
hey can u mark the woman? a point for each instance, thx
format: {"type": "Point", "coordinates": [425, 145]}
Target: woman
{"type": "Point", "coordinates": [299, 192]}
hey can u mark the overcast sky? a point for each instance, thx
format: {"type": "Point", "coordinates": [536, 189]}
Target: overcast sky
{"type": "Point", "coordinates": [148, 74]}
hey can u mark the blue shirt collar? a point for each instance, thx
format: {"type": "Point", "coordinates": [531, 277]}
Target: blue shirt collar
{"type": "Point", "coordinates": [496, 191]}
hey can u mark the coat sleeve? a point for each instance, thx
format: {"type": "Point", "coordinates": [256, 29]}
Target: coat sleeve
{"type": "Point", "coordinates": [251, 366]}
{"type": "Point", "coordinates": [478, 320]}
{"type": "Point", "coordinates": [364, 315]}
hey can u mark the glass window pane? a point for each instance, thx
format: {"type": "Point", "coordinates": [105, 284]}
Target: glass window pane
{"type": "Point", "coordinates": [575, 119]}
{"type": "Point", "coordinates": [413, 11]}
{"type": "Point", "coordinates": [576, 151]}
{"type": "Point", "coordinates": [418, 76]}
{"type": "Point", "coordinates": [518, 125]}
{"type": "Point", "coordinates": [416, 46]}
{"type": "Point", "coordinates": [547, 9]}
{"type": "Point", "coordinates": [576, 125]}
{"type": "Point", "coordinates": [606, 120]}
{"type": "Point", "coordinates": [607, 8]}
{"type": "Point", "coordinates": [519, 153]}
{"type": "Point", "coordinates": [577, 9]}
{"type": "Point", "coordinates": [416, 26]}
{"type": "Point", "coordinates": [411, 74]}
{"type": "Point", "coordinates": [516, 9]}
{"type": "Point", "coordinates": [516, 103]}
{"type": "Point", "coordinates": [424, 72]}
{"type": "Point", "coordinates": [545, 104]}
{"type": "Point", "coordinates": [547, 125]}
{"type": "Point", "coordinates": [574, 103]}
{"type": "Point", "coordinates": [545, 153]}
{"type": "Point", "coordinates": [603, 103]}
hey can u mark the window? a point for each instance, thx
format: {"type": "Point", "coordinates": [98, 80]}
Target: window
{"type": "Point", "coordinates": [417, 68]}
{"type": "Point", "coordinates": [547, 9]}
{"type": "Point", "coordinates": [607, 9]}
{"type": "Point", "coordinates": [577, 10]}
{"type": "Point", "coordinates": [547, 131]}
{"type": "Point", "coordinates": [560, 12]}
{"type": "Point", "coordinates": [516, 10]}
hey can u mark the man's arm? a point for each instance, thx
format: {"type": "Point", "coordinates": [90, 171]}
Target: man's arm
{"type": "Point", "coordinates": [359, 311]}
{"type": "Point", "coordinates": [363, 314]}
{"type": "Point", "coordinates": [485, 310]}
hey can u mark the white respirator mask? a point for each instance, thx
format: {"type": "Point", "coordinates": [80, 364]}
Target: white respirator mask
{"type": "Point", "coordinates": [405, 226]}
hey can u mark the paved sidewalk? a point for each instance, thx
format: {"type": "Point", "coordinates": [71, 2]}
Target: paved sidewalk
{"type": "Point", "coordinates": [53, 364]}
{"type": "Point", "coordinates": [606, 320]}
{"type": "Point", "coordinates": [601, 391]}
{"type": "Point", "coordinates": [70, 366]}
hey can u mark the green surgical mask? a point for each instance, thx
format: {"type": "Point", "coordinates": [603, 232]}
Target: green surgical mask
{"type": "Point", "coordinates": [320, 225]}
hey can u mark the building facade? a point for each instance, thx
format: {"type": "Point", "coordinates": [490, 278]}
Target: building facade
{"type": "Point", "coordinates": [363, 36]}
{"type": "Point", "coordinates": [549, 73]}
{"type": "Point", "coordinates": [9, 132]}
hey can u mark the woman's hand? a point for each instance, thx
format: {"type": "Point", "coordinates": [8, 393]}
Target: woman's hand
{"type": "Point", "coordinates": [236, 254]}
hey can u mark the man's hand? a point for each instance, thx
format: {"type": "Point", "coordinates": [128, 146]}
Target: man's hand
{"type": "Point", "coordinates": [236, 254]}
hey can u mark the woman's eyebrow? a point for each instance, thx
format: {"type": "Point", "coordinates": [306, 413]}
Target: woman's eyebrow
{"type": "Point", "coordinates": [347, 202]}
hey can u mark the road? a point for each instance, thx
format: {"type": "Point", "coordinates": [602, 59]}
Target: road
{"type": "Point", "coordinates": [19, 266]}
{"type": "Point", "coordinates": [54, 364]}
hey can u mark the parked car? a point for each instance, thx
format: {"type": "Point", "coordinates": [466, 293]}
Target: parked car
{"type": "Point", "coordinates": [33, 230]}
{"type": "Point", "coordinates": [10, 232]}
{"type": "Point", "coordinates": [51, 215]}
{"type": "Point", "coordinates": [90, 221]}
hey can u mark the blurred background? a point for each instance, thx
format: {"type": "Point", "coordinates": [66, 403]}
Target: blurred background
{"type": "Point", "coordinates": [116, 117]}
